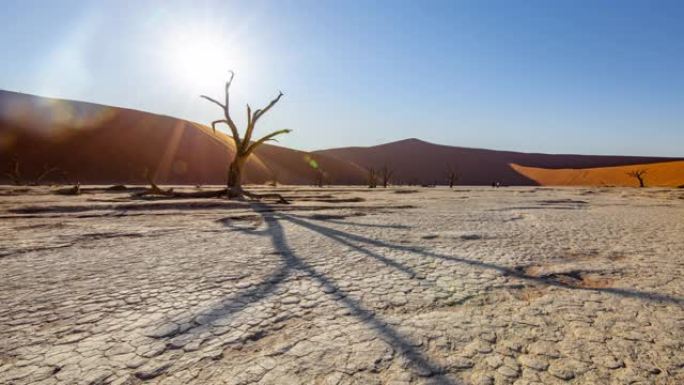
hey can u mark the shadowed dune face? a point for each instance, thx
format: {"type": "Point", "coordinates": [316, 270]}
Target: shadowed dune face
{"type": "Point", "coordinates": [100, 144]}
{"type": "Point", "coordinates": [97, 144]}
{"type": "Point", "coordinates": [664, 174]}
{"type": "Point", "coordinates": [419, 162]}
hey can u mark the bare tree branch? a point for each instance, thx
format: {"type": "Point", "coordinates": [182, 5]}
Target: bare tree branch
{"type": "Point", "coordinates": [386, 174]}
{"type": "Point", "coordinates": [226, 111]}
{"type": "Point", "coordinates": [213, 101]}
{"type": "Point", "coordinates": [15, 173]}
{"type": "Point", "coordinates": [259, 113]}
{"type": "Point", "coordinates": [372, 178]}
{"type": "Point", "coordinates": [215, 122]}
{"type": "Point", "coordinates": [253, 118]}
{"type": "Point", "coordinates": [639, 175]}
{"type": "Point", "coordinates": [228, 83]}
{"type": "Point", "coordinates": [249, 118]}
{"type": "Point", "coordinates": [46, 171]}
{"type": "Point", "coordinates": [266, 138]}
{"type": "Point", "coordinates": [452, 175]}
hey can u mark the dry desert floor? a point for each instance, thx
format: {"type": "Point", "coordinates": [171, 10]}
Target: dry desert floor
{"type": "Point", "coordinates": [345, 286]}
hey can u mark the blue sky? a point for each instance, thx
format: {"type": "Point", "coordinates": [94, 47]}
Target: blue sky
{"type": "Point", "coordinates": [593, 77]}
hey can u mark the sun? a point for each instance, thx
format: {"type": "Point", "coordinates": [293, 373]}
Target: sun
{"type": "Point", "coordinates": [200, 59]}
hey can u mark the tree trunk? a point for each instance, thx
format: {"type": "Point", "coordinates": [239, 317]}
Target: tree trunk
{"type": "Point", "coordinates": [235, 177]}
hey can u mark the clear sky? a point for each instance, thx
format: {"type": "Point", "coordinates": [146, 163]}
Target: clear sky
{"type": "Point", "coordinates": [593, 77]}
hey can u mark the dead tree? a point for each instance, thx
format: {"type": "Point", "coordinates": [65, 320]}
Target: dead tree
{"type": "Point", "coordinates": [372, 178]}
{"type": "Point", "coordinates": [46, 171]}
{"type": "Point", "coordinates": [274, 179]}
{"type": "Point", "coordinates": [244, 146]}
{"type": "Point", "coordinates": [319, 178]}
{"type": "Point", "coordinates": [73, 190]}
{"type": "Point", "coordinates": [158, 191]}
{"type": "Point", "coordinates": [639, 175]}
{"type": "Point", "coordinates": [14, 174]}
{"type": "Point", "coordinates": [385, 175]}
{"type": "Point", "coordinates": [452, 175]}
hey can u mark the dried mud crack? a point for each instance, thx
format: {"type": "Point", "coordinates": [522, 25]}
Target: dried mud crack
{"type": "Point", "coordinates": [344, 286]}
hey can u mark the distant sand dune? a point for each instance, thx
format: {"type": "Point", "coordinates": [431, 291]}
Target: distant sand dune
{"type": "Point", "coordinates": [101, 144]}
{"type": "Point", "coordinates": [419, 162]}
{"type": "Point", "coordinates": [664, 174]}
{"type": "Point", "coordinates": [97, 144]}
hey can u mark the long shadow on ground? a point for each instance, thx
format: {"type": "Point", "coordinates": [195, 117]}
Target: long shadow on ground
{"type": "Point", "coordinates": [345, 238]}
{"type": "Point", "coordinates": [420, 364]}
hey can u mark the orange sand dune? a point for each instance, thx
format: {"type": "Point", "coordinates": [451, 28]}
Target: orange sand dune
{"type": "Point", "coordinates": [95, 144]}
{"type": "Point", "coordinates": [664, 174]}
{"type": "Point", "coordinates": [419, 162]}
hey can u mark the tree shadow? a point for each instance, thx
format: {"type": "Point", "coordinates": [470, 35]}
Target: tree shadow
{"type": "Point", "coordinates": [337, 219]}
{"type": "Point", "coordinates": [341, 237]}
{"type": "Point", "coordinates": [418, 363]}
{"type": "Point", "coordinates": [291, 263]}
{"type": "Point", "coordinates": [344, 237]}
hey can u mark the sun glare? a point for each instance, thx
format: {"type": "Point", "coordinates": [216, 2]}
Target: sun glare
{"type": "Point", "coordinates": [200, 59]}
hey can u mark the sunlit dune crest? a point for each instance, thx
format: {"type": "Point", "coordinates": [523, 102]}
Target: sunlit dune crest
{"type": "Point", "coordinates": [664, 174]}
{"type": "Point", "coordinates": [116, 145]}
{"type": "Point", "coordinates": [53, 117]}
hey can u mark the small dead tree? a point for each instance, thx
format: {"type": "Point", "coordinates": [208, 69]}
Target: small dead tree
{"type": "Point", "coordinates": [244, 146]}
{"type": "Point", "coordinates": [452, 175]}
{"type": "Point", "coordinates": [638, 175]}
{"type": "Point", "coordinates": [14, 173]}
{"type": "Point", "coordinates": [274, 179]}
{"type": "Point", "coordinates": [319, 178]}
{"type": "Point", "coordinates": [385, 175]}
{"type": "Point", "coordinates": [73, 190]}
{"type": "Point", "coordinates": [156, 190]}
{"type": "Point", "coordinates": [372, 178]}
{"type": "Point", "coordinates": [46, 171]}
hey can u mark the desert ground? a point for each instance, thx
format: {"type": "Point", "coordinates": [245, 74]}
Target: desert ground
{"type": "Point", "coordinates": [525, 285]}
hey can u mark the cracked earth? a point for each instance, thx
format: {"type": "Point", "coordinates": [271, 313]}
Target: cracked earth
{"type": "Point", "coordinates": [345, 286]}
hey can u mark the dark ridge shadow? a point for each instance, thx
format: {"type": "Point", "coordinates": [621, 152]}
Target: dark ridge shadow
{"type": "Point", "coordinates": [562, 202]}
{"type": "Point", "coordinates": [339, 236]}
{"type": "Point", "coordinates": [291, 263]}
{"type": "Point", "coordinates": [230, 306]}
{"type": "Point", "coordinates": [337, 219]}
{"type": "Point", "coordinates": [509, 271]}
{"type": "Point", "coordinates": [552, 207]}
{"type": "Point", "coordinates": [178, 204]}
{"type": "Point", "coordinates": [419, 363]}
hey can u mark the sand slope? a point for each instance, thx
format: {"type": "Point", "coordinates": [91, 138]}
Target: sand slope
{"type": "Point", "coordinates": [664, 174]}
{"type": "Point", "coordinates": [96, 144]}
{"type": "Point", "coordinates": [419, 162]}
{"type": "Point", "coordinates": [99, 144]}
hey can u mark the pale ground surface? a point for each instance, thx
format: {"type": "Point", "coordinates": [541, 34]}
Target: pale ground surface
{"type": "Point", "coordinates": [471, 286]}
